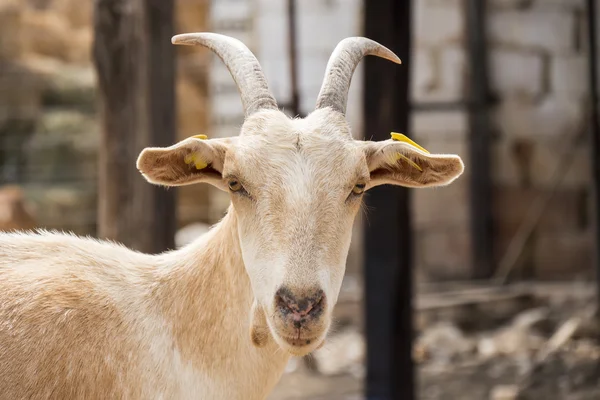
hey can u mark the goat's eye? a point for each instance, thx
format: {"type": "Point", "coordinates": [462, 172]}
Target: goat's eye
{"type": "Point", "coordinates": [359, 188]}
{"type": "Point", "coordinates": [234, 185]}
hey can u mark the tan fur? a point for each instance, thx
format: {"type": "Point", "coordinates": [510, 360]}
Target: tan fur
{"type": "Point", "coordinates": [259, 330]}
{"type": "Point", "coordinates": [83, 319]}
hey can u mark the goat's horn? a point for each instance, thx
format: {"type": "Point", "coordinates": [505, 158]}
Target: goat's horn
{"type": "Point", "coordinates": [341, 66]}
{"type": "Point", "coordinates": [242, 65]}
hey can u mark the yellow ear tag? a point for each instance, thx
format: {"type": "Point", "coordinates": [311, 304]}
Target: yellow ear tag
{"type": "Point", "coordinates": [195, 159]}
{"type": "Point", "coordinates": [398, 137]}
{"type": "Point", "coordinates": [402, 138]}
{"type": "Point", "coordinates": [411, 162]}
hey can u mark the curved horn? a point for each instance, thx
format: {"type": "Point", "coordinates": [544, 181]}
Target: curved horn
{"type": "Point", "coordinates": [341, 66]}
{"type": "Point", "coordinates": [242, 65]}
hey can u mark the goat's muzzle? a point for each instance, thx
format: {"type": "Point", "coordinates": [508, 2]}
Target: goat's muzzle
{"type": "Point", "coordinates": [300, 318]}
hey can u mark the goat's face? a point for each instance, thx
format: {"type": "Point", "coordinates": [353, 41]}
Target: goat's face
{"type": "Point", "coordinates": [296, 186]}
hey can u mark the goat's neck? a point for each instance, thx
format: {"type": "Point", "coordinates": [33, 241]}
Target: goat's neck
{"type": "Point", "coordinates": [206, 298]}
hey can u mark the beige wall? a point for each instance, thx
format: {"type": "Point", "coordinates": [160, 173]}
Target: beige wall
{"type": "Point", "coordinates": [537, 61]}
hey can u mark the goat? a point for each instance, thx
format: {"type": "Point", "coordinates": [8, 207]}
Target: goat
{"type": "Point", "coordinates": [220, 317]}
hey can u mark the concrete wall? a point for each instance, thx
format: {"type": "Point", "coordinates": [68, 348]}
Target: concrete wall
{"type": "Point", "coordinates": [537, 60]}
{"type": "Point", "coordinates": [321, 24]}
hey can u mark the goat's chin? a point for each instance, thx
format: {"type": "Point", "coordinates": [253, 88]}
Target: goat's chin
{"type": "Point", "coordinates": [289, 340]}
{"type": "Point", "coordinates": [298, 346]}
{"type": "Point", "coordinates": [297, 350]}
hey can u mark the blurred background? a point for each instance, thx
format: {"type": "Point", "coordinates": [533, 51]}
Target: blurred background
{"type": "Point", "coordinates": [499, 271]}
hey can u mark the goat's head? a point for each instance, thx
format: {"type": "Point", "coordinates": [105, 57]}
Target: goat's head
{"type": "Point", "coordinates": [296, 186]}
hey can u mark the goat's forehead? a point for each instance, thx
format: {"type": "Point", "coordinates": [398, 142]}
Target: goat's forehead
{"type": "Point", "coordinates": [306, 160]}
{"type": "Point", "coordinates": [272, 144]}
{"type": "Point", "coordinates": [275, 124]}
{"type": "Point", "coordinates": [290, 148]}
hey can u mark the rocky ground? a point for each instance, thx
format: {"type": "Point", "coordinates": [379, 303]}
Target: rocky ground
{"type": "Point", "coordinates": [545, 351]}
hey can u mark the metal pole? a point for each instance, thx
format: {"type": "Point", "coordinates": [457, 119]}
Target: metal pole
{"type": "Point", "coordinates": [160, 22]}
{"type": "Point", "coordinates": [295, 100]}
{"type": "Point", "coordinates": [594, 131]}
{"type": "Point", "coordinates": [479, 143]}
{"type": "Point", "coordinates": [388, 234]}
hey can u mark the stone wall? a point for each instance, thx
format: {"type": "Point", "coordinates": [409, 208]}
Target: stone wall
{"type": "Point", "coordinates": [320, 25]}
{"type": "Point", "coordinates": [538, 77]}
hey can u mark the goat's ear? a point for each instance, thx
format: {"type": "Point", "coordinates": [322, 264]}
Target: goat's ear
{"type": "Point", "coordinates": [192, 160]}
{"type": "Point", "coordinates": [403, 162]}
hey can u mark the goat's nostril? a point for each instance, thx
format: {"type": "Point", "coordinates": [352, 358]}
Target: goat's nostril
{"type": "Point", "coordinates": [289, 305]}
{"type": "Point", "coordinates": [318, 305]}
{"type": "Point", "coordinates": [285, 301]}
{"type": "Point", "coordinates": [315, 305]}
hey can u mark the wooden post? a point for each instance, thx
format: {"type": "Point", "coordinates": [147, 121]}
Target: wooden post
{"type": "Point", "coordinates": [135, 63]}
{"type": "Point", "coordinates": [594, 137]}
{"type": "Point", "coordinates": [388, 242]}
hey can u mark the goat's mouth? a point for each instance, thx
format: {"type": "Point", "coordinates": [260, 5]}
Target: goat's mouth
{"type": "Point", "coordinates": [299, 344]}
{"type": "Point", "coordinates": [298, 336]}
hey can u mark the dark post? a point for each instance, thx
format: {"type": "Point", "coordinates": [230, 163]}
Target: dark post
{"type": "Point", "coordinates": [293, 55]}
{"type": "Point", "coordinates": [594, 132]}
{"type": "Point", "coordinates": [134, 60]}
{"type": "Point", "coordinates": [160, 26]}
{"type": "Point", "coordinates": [479, 143]}
{"type": "Point", "coordinates": [388, 244]}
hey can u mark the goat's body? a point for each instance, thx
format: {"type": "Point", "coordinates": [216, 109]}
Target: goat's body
{"type": "Point", "coordinates": [81, 318]}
